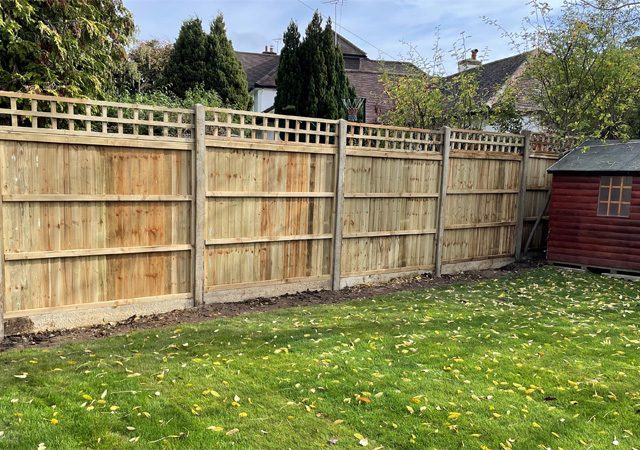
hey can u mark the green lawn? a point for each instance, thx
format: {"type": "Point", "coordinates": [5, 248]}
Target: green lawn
{"type": "Point", "coordinates": [543, 359]}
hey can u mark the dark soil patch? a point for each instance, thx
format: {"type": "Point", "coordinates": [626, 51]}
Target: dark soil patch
{"type": "Point", "coordinates": [207, 312]}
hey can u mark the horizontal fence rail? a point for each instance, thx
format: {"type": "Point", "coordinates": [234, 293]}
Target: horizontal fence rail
{"type": "Point", "coordinates": [147, 208]}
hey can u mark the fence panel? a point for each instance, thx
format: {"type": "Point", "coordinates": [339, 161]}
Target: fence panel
{"type": "Point", "coordinates": [482, 196]}
{"type": "Point", "coordinates": [390, 204]}
{"type": "Point", "coordinates": [270, 184]}
{"type": "Point", "coordinates": [98, 223]}
{"type": "Point", "coordinates": [544, 153]}
{"type": "Point", "coordinates": [111, 204]}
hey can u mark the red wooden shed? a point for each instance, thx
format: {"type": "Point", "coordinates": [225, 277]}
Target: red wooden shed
{"type": "Point", "coordinates": [594, 214]}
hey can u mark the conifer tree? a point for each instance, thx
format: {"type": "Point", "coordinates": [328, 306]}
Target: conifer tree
{"type": "Point", "coordinates": [337, 79]}
{"type": "Point", "coordinates": [208, 61]}
{"type": "Point", "coordinates": [311, 75]}
{"type": "Point", "coordinates": [225, 73]}
{"type": "Point", "coordinates": [187, 67]}
{"type": "Point", "coordinates": [313, 69]}
{"type": "Point", "coordinates": [288, 79]}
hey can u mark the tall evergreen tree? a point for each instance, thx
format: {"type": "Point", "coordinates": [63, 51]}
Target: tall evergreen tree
{"type": "Point", "coordinates": [187, 67]}
{"type": "Point", "coordinates": [226, 75]}
{"type": "Point", "coordinates": [337, 78]}
{"type": "Point", "coordinates": [311, 75]}
{"type": "Point", "coordinates": [313, 69]}
{"type": "Point", "coordinates": [288, 79]}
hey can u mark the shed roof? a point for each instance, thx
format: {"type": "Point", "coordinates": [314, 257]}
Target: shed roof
{"type": "Point", "coordinates": [599, 156]}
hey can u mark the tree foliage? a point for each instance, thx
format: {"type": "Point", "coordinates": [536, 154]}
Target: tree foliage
{"type": "Point", "coordinates": [226, 75]}
{"type": "Point", "coordinates": [311, 77]}
{"type": "Point", "coordinates": [426, 98]}
{"type": "Point", "coordinates": [208, 61]}
{"type": "Point", "coordinates": [197, 94]}
{"type": "Point", "coordinates": [145, 67]}
{"type": "Point", "coordinates": [67, 47]}
{"type": "Point", "coordinates": [187, 64]}
{"type": "Point", "coordinates": [586, 69]}
{"type": "Point", "coordinates": [288, 79]}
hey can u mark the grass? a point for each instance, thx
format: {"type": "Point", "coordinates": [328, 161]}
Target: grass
{"type": "Point", "coordinates": [546, 358]}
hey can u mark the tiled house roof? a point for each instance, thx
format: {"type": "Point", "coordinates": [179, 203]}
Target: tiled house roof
{"type": "Point", "coordinates": [258, 65]}
{"type": "Point", "coordinates": [494, 76]}
{"type": "Point", "coordinates": [363, 73]}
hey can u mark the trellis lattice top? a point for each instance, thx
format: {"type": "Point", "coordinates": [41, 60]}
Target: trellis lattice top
{"type": "Point", "coordinates": [548, 144]}
{"type": "Point", "coordinates": [393, 138]}
{"type": "Point", "coordinates": [469, 140]}
{"type": "Point", "coordinates": [274, 128]}
{"type": "Point", "coordinates": [20, 111]}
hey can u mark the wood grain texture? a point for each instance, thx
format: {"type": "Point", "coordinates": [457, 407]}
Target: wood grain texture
{"type": "Point", "coordinates": [112, 203]}
{"type": "Point", "coordinates": [89, 224]}
{"type": "Point", "coordinates": [268, 214]}
{"type": "Point", "coordinates": [481, 223]}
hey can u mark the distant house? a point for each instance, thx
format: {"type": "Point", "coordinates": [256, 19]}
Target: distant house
{"type": "Point", "coordinates": [494, 78]}
{"type": "Point", "coordinates": [363, 73]}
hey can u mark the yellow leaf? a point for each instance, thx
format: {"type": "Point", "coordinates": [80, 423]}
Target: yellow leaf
{"type": "Point", "coordinates": [215, 428]}
{"type": "Point", "coordinates": [87, 397]}
{"type": "Point", "coordinates": [243, 414]}
{"type": "Point", "coordinates": [454, 415]}
{"type": "Point", "coordinates": [536, 425]}
{"type": "Point", "coordinates": [358, 436]}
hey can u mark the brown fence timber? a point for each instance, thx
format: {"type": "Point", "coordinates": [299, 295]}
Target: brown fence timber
{"type": "Point", "coordinates": [108, 204]}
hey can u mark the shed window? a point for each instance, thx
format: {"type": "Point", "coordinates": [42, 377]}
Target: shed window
{"type": "Point", "coordinates": [615, 196]}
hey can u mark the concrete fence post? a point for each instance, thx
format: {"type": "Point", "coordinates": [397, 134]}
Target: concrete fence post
{"type": "Point", "coordinates": [444, 177]}
{"type": "Point", "coordinates": [199, 181]}
{"type": "Point", "coordinates": [338, 202]}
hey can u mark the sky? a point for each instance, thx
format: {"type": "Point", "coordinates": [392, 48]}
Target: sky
{"type": "Point", "coordinates": [384, 29]}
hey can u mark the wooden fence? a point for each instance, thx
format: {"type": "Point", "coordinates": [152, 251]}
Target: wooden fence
{"type": "Point", "coordinates": [119, 205]}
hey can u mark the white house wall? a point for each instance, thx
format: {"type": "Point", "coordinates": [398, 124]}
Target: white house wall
{"type": "Point", "coordinates": [263, 98]}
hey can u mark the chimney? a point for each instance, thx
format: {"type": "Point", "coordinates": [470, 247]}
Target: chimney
{"type": "Point", "coordinates": [268, 50]}
{"type": "Point", "coordinates": [469, 63]}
